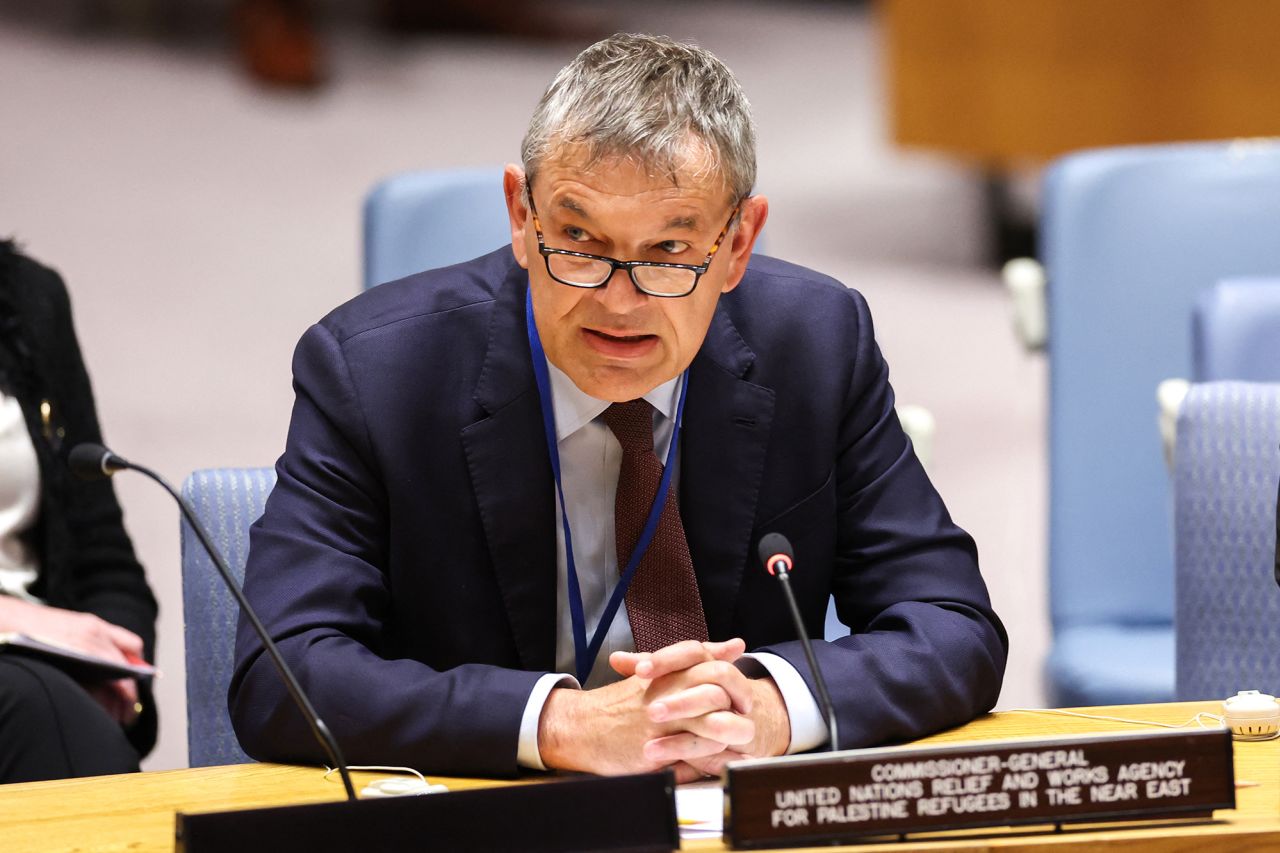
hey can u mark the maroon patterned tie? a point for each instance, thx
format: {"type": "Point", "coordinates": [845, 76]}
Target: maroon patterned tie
{"type": "Point", "coordinates": [662, 601]}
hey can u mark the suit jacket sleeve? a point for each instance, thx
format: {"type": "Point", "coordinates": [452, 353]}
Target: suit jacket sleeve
{"type": "Point", "coordinates": [926, 650]}
{"type": "Point", "coordinates": [317, 574]}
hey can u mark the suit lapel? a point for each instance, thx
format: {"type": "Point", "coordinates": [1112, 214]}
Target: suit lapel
{"type": "Point", "coordinates": [511, 479]}
{"type": "Point", "coordinates": [726, 429]}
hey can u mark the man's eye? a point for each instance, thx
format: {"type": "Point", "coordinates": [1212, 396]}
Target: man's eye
{"type": "Point", "coordinates": [576, 234]}
{"type": "Point", "coordinates": [672, 247]}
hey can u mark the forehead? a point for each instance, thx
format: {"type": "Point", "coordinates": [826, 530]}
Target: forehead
{"type": "Point", "coordinates": [569, 181]}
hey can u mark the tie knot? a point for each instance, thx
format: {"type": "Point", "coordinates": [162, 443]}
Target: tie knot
{"type": "Point", "coordinates": [632, 424]}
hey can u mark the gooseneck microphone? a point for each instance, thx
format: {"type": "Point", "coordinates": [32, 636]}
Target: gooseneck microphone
{"type": "Point", "coordinates": [777, 557]}
{"type": "Point", "coordinates": [95, 462]}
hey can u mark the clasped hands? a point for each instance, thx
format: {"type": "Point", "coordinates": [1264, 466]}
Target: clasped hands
{"type": "Point", "coordinates": [685, 706]}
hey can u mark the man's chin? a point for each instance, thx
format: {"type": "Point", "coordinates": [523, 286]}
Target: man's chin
{"type": "Point", "coordinates": [617, 383]}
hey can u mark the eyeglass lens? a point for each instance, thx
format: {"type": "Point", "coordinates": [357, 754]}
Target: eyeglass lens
{"type": "Point", "coordinates": [591, 272]}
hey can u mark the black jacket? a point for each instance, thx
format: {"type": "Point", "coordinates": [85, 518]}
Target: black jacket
{"type": "Point", "coordinates": [86, 559]}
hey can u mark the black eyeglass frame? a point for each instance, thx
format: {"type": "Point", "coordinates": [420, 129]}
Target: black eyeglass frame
{"type": "Point", "coordinates": [630, 266]}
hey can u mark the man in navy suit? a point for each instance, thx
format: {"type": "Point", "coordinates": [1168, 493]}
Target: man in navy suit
{"type": "Point", "coordinates": [440, 560]}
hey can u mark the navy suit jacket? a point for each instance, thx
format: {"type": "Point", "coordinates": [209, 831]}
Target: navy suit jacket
{"type": "Point", "coordinates": [406, 562]}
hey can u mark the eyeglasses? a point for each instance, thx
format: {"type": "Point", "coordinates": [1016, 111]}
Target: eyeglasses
{"type": "Point", "coordinates": [578, 269]}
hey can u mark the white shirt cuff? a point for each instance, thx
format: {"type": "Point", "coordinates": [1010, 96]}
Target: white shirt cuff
{"type": "Point", "coordinates": [808, 728]}
{"type": "Point", "coordinates": [527, 753]}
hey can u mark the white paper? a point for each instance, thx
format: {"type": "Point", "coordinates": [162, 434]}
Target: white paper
{"type": "Point", "coordinates": [700, 809]}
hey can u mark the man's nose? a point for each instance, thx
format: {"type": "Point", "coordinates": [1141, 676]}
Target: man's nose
{"type": "Point", "coordinates": [620, 294]}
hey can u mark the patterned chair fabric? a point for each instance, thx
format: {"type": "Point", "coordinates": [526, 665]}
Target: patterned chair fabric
{"type": "Point", "coordinates": [1226, 469]}
{"type": "Point", "coordinates": [227, 501]}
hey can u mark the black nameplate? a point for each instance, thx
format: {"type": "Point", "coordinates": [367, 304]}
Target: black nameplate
{"type": "Point", "coordinates": [839, 796]}
{"type": "Point", "coordinates": [623, 813]}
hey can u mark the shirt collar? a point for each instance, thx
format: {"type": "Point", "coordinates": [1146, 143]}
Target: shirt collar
{"type": "Point", "coordinates": [575, 409]}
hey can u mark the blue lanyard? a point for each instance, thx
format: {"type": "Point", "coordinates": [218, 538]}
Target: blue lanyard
{"type": "Point", "coordinates": [585, 653]}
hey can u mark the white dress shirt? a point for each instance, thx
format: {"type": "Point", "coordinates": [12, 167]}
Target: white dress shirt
{"type": "Point", "coordinates": [19, 500]}
{"type": "Point", "coordinates": [590, 458]}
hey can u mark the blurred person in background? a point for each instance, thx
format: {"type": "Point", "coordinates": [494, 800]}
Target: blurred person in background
{"type": "Point", "coordinates": [68, 573]}
{"type": "Point", "coordinates": [280, 43]}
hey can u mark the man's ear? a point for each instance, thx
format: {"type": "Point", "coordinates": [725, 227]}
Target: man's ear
{"type": "Point", "coordinates": [751, 219]}
{"type": "Point", "coordinates": [517, 211]}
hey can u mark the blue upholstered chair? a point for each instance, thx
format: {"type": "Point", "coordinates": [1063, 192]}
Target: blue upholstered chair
{"type": "Point", "coordinates": [1235, 331]}
{"type": "Point", "coordinates": [418, 221]}
{"type": "Point", "coordinates": [1227, 465]}
{"type": "Point", "coordinates": [1131, 236]}
{"type": "Point", "coordinates": [227, 500]}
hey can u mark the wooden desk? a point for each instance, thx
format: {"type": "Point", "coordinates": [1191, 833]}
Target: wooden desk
{"type": "Point", "coordinates": [136, 812]}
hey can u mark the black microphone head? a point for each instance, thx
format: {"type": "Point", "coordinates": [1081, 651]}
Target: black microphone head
{"type": "Point", "coordinates": [774, 549]}
{"type": "Point", "coordinates": [91, 461]}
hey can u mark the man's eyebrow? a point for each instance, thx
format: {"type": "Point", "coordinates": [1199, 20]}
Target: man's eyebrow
{"type": "Point", "coordinates": [573, 206]}
{"type": "Point", "coordinates": [686, 223]}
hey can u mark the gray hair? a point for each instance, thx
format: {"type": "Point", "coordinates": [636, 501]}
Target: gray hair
{"type": "Point", "coordinates": [667, 104]}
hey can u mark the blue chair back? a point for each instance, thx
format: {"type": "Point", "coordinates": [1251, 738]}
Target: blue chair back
{"type": "Point", "coordinates": [1235, 331]}
{"type": "Point", "coordinates": [1227, 465]}
{"type": "Point", "coordinates": [1130, 236]}
{"type": "Point", "coordinates": [423, 220]}
{"type": "Point", "coordinates": [227, 501]}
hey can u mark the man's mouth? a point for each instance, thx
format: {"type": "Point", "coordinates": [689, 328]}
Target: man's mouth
{"type": "Point", "coordinates": [619, 346]}
{"type": "Point", "coordinates": [623, 338]}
